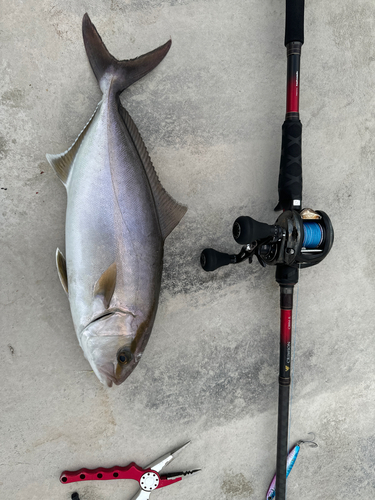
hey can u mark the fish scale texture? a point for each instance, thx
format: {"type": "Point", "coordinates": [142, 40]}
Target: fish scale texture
{"type": "Point", "coordinates": [111, 218]}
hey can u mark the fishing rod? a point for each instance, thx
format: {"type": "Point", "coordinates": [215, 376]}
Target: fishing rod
{"type": "Point", "coordinates": [300, 238]}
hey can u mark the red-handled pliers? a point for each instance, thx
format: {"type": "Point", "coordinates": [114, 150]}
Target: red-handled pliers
{"type": "Point", "coordinates": [148, 478]}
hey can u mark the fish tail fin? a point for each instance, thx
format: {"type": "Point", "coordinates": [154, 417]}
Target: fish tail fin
{"type": "Point", "coordinates": [108, 70]}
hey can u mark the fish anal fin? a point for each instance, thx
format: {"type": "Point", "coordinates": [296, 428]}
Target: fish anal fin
{"type": "Point", "coordinates": [106, 284]}
{"type": "Point", "coordinates": [61, 270]}
{"type": "Point", "coordinates": [62, 163]}
{"type": "Point", "coordinates": [170, 212]}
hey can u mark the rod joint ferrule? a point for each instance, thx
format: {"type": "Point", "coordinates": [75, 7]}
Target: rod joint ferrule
{"type": "Point", "coordinates": [284, 381]}
{"type": "Point", "coordinates": [293, 48]}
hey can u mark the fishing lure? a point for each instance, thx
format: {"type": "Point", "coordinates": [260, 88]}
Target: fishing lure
{"type": "Point", "coordinates": [291, 460]}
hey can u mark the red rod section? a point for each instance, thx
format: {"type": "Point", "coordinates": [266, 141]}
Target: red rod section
{"type": "Point", "coordinates": [293, 77]}
{"type": "Point", "coordinates": [286, 332]}
{"type": "Point", "coordinates": [292, 96]}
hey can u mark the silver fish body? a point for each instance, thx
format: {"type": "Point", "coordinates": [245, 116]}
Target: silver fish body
{"type": "Point", "coordinates": [118, 216]}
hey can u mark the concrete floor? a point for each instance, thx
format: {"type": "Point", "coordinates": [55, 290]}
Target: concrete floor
{"type": "Point", "coordinates": [211, 117]}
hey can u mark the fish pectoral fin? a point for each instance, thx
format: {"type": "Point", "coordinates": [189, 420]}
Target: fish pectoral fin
{"type": "Point", "coordinates": [170, 212]}
{"type": "Point", "coordinates": [61, 270]}
{"type": "Point", "coordinates": [106, 284]}
{"type": "Point", "coordinates": [62, 163]}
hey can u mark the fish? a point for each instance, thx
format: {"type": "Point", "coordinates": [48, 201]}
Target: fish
{"type": "Point", "coordinates": [291, 460]}
{"type": "Point", "coordinates": [118, 216]}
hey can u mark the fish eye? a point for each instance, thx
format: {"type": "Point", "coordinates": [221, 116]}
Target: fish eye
{"type": "Point", "coordinates": [124, 357]}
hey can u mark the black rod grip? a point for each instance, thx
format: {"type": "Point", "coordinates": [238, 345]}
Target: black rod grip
{"type": "Point", "coordinates": [290, 176]}
{"type": "Point", "coordinates": [212, 259]}
{"type": "Point", "coordinates": [294, 21]}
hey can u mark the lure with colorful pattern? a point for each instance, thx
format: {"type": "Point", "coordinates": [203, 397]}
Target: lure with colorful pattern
{"type": "Point", "coordinates": [292, 457]}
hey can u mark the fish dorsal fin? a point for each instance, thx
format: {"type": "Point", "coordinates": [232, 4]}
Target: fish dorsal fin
{"type": "Point", "coordinates": [63, 162]}
{"type": "Point", "coordinates": [61, 270]}
{"type": "Point", "coordinates": [106, 284]}
{"type": "Point", "coordinates": [170, 212]}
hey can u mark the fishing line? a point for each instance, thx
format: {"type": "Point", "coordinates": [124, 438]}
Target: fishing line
{"type": "Point", "coordinates": [294, 355]}
{"type": "Point", "coordinates": [313, 237]}
{"type": "Point", "coordinates": [313, 234]}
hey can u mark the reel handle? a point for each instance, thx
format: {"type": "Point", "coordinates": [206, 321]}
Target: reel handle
{"type": "Point", "coordinates": [247, 230]}
{"type": "Point", "coordinates": [212, 259]}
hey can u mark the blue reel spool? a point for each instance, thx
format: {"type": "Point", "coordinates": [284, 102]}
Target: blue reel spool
{"type": "Point", "coordinates": [313, 236]}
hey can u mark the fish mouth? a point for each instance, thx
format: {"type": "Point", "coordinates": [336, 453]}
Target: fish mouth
{"type": "Point", "coordinates": [110, 312]}
{"type": "Point", "coordinates": [109, 379]}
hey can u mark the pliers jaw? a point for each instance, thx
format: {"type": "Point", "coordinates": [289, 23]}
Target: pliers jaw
{"type": "Point", "coordinates": [165, 480]}
{"type": "Point", "coordinates": [163, 461]}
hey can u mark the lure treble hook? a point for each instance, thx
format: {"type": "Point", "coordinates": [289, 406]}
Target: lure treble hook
{"type": "Point", "coordinates": [311, 442]}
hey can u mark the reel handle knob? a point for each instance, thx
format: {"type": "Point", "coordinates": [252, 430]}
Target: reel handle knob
{"type": "Point", "coordinates": [212, 259]}
{"type": "Point", "coordinates": [246, 230]}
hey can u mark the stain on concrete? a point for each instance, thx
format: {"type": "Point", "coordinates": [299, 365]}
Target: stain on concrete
{"type": "Point", "coordinates": [218, 382]}
{"type": "Point", "coordinates": [3, 148]}
{"type": "Point", "coordinates": [236, 485]}
{"type": "Point", "coordinates": [61, 33]}
{"type": "Point", "coordinates": [13, 98]}
{"type": "Point", "coordinates": [366, 461]}
{"type": "Point", "coordinates": [344, 198]}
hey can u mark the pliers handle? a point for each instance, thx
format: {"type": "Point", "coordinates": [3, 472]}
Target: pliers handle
{"type": "Point", "coordinates": [148, 479]}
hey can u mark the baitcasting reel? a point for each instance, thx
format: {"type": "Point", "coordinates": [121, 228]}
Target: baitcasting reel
{"type": "Point", "coordinates": [298, 240]}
